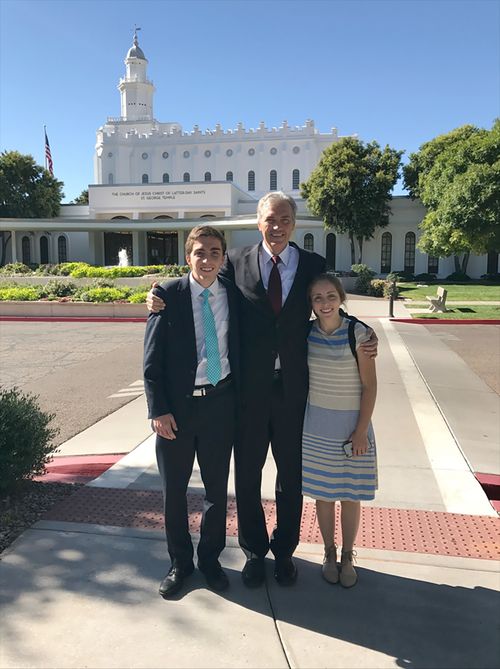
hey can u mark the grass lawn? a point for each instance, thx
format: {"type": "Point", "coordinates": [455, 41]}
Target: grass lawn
{"type": "Point", "coordinates": [472, 292]}
{"type": "Point", "coordinates": [465, 313]}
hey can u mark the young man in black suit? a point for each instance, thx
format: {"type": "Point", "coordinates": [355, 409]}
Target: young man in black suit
{"type": "Point", "coordinates": [272, 278]}
{"type": "Point", "coordinates": [191, 373]}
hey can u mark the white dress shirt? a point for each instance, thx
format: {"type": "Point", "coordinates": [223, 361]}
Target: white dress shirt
{"type": "Point", "coordinates": [220, 309]}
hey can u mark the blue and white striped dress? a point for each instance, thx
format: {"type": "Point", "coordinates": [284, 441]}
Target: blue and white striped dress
{"type": "Point", "coordinates": [331, 416]}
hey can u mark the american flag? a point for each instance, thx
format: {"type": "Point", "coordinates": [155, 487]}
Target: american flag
{"type": "Point", "coordinates": [48, 157]}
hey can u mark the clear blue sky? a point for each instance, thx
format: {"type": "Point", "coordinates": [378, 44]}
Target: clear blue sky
{"type": "Point", "coordinates": [397, 72]}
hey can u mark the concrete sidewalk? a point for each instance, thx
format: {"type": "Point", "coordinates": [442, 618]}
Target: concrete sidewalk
{"type": "Point", "coordinates": [79, 589]}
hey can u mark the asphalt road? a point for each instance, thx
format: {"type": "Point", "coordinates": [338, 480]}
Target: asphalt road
{"type": "Point", "coordinates": [74, 368]}
{"type": "Point", "coordinates": [477, 345]}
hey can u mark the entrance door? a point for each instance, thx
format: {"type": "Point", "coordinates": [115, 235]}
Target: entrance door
{"type": "Point", "coordinates": [113, 243]}
{"type": "Point", "coordinates": [162, 248]}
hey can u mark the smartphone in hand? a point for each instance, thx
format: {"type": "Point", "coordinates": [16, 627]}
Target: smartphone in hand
{"type": "Point", "coordinates": [347, 446]}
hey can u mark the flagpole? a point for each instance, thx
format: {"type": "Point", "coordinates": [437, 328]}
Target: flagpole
{"type": "Point", "coordinates": [44, 145]}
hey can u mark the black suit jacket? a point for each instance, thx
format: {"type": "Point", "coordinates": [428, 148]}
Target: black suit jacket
{"type": "Point", "coordinates": [170, 357]}
{"type": "Point", "coordinates": [263, 335]}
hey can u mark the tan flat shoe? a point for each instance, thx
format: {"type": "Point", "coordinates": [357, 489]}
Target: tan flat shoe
{"type": "Point", "coordinates": [329, 569]}
{"type": "Point", "coordinates": [348, 576]}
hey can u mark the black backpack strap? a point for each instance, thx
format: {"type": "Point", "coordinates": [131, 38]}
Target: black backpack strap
{"type": "Point", "coordinates": [350, 331]}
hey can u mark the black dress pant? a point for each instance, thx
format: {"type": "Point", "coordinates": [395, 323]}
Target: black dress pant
{"type": "Point", "coordinates": [210, 435]}
{"type": "Point", "coordinates": [278, 421]}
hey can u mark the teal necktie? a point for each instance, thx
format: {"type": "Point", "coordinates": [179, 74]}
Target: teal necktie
{"type": "Point", "coordinates": [211, 342]}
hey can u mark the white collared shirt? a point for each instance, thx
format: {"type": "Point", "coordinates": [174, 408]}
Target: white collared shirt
{"type": "Point", "coordinates": [220, 309]}
{"type": "Point", "coordinates": [287, 267]}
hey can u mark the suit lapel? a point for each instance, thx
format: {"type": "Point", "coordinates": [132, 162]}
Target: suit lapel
{"type": "Point", "coordinates": [250, 282]}
{"type": "Point", "coordinates": [186, 310]}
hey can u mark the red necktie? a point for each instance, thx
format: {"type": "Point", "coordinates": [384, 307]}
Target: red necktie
{"type": "Point", "coordinates": [274, 286]}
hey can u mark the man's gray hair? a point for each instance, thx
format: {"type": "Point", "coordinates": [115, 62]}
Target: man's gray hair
{"type": "Point", "coordinates": [276, 196]}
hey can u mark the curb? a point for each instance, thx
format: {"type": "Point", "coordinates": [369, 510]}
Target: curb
{"type": "Point", "coordinates": [78, 319]}
{"type": "Point", "coordinates": [447, 321]}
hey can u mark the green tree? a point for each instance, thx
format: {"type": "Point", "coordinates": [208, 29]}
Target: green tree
{"type": "Point", "coordinates": [351, 189]}
{"type": "Point", "coordinates": [457, 177]}
{"type": "Point", "coordinates": [83, 198]}
{"type": "Point", "coordinates": [27, 190]}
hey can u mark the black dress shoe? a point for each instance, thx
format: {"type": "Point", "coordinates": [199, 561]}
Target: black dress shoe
{"type": "Point", "coordinates": [173, 581]}
{"type": "Point", "coordinates": [215, 576]}
{"type": "Point", "coordinates": [285, 571]}
{"type": "Point", "coordinates": [254, 572]}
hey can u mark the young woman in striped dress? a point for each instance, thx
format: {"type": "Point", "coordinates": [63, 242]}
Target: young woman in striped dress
{"type": "Point", "coordinates": [342, 392]}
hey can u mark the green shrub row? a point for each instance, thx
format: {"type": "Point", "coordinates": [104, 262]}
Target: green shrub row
{"type": "Point", "coordinates": [83, 270]}
{"type": "Point", "coordinates": [56, 290]}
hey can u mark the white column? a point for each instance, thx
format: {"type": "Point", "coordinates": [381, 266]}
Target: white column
{"type": "Point", "coordinates": [180, 247]}
{"type": "Point", "coordinates": [135, 248]}
{"type": "Point", "coordinates": [13, 243]}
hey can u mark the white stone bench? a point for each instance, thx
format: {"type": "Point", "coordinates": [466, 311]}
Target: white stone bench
{"type": "Point", "coordinates": [438, 301]}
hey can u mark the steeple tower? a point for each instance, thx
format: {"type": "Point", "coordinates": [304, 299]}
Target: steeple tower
{"type": "Point", "coordinates": [136, 90]}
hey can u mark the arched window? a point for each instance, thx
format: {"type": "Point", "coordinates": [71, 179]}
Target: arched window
{"type": "Point", "coordinates": [186, 177]}
{"type": "Point", "coordinates": [44, 250]}
{"type": "Point", "coordinates": [331, 244]}
{"type": "Point", "coordinates": [208, 216]}
{"type": "Point", "coordinates": [308, 242]}
{"type": "Point", "coordinates": [26, 250]}
{"type": "Point", "coordinates": [386, 253]}
{"type": "Point", "coordinates": [110, 178]}
{"type": "Point", "coordinates": [166, 178]}
{"type": "Point", "coordinates": [251, 180]}
{"type": "Point", "coordinates": [410, 252]}
{"type": "Point", "coordinates": [295, 180]}
{"type": "Point", "coordinates": [145, 179]}
{"type": "Point", "coordinates": [114, 218]}
{"type": "Point", "coordinates": [229, 176]}
{"type": "Point", "coordinates": [273, 180]}
{"type": "Point", "coordinates": [433, 265]}
{"type": "Point", "coordinates": [208, 176]}
{"type": "Point", "coordinates": [163, 216]}
{"type": "Point", "coordinates": [62, 249]}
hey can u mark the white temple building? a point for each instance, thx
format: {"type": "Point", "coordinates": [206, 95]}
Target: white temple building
{"type": "Point", "coordinates": [154, 181]}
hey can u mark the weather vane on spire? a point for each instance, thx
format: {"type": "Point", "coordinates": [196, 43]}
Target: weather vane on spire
{"type": "Point", "coordinates": [135, 34]}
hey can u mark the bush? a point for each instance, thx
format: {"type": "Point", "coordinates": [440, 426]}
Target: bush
{"type": "Point", "coordinates": [138, 297]}
{"type": "Point", "coordinates": [65, 268]}
{"type": "Point", "coordinates": [424, 276]}
{"type": "Point", "coordinates": [459, 277]}
{"type": "Point", "coordinates": [46, 270]}
{"type": "Point", "coordinates": [58, 288]}
{"type": "Point", "coordinates": [15, 268]}
{"type": "Point", "coordinates": [21, 293]}
{"type": "Point", "coordinates": [84, 271]}
{"type": "Point", "coordinates": [403, 275]}
{"type": "Point", "coordinates": [174, 270]}
{"type": "Point", "coordinates": [105, 294]}
{"type": "Point", "coordinates": [365, 275]}
{"type": "Point", "coordinates": [376, 288]}
{"type": "Point", "coordinates": [494, 277]}
{"type": "Point", "coordinates": [103, 283]}
{"type": "Point", "coordinates": [25, 438]}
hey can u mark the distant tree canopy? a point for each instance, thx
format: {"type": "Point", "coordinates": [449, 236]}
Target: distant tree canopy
{"type": "Point", "coordinates": [457, 178]}
{"type": "Point", "coordinates": [351, 189]}
{"type": "Point", "coordinates": [27, 190]}
{"type": "Point", "coordinates": [83, 198]}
